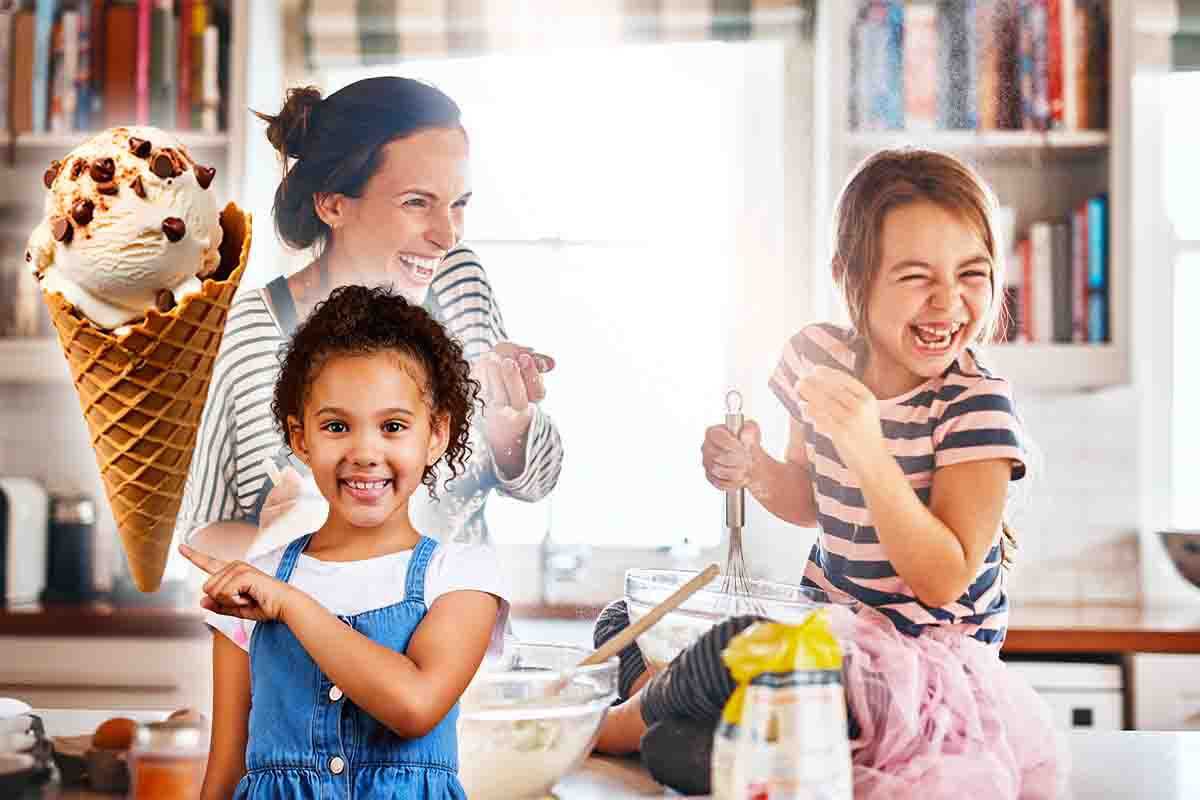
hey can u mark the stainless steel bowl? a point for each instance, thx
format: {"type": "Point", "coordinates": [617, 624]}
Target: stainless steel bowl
{"type": "Point", "coordinates": [520, 729]}
{"type": "Point", "coordinates": [1184, 549]}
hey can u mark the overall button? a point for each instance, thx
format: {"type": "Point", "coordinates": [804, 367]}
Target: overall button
{"type": "Point", "coordinates": [336, 765]}
{"type": "Point", "coordinates": [335, 694]}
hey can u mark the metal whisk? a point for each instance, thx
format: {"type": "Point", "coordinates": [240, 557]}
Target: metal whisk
{"type": "Point", "coordinates": [737, 580]}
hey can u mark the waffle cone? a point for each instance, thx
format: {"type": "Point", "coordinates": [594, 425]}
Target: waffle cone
{"type": "Point", "coordinates": [142, 395]}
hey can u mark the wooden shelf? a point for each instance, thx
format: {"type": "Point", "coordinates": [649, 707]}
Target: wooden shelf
{"type": "Point", "coordinates": [996, 144]}
{"type": "Point", "coordinates": [1058, 367]}
{"type": "Point", "coordinates": [102, 620]}
{"type": "Point", "coordinates": [68, 141]}
{"type": "Point", "coordinates": [33, 361]}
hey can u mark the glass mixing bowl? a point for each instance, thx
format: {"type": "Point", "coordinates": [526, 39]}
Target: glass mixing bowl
{"type": "Point", "coordinates": [646, 588]}
{"type": "Point", "coordinates": [520, 730]}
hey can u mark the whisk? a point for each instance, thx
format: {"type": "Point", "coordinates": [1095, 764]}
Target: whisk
{"type": "Point", "coordinates": [736, 582]}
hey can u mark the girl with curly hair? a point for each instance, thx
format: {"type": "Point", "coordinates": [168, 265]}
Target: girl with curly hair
{"type": "Point", "coordinates": [345, 653]}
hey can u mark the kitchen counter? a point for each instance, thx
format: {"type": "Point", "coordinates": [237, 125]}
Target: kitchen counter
{"type": "Point", "coordinates": [1163, 766]}
{"type": "Point", "coordinates": [1034, 629]}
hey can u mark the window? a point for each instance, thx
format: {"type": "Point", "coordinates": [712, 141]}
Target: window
{"type": "Point", "coordinates": [629, 208]}
{"type": "Point", "coordinates": [1182, 119]}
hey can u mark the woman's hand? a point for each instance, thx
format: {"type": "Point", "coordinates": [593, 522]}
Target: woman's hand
{"type": "Point", "coordinates": [236, 589]}
{"type": "Point", "coordinates": [511, 380]}
{"type": "Point", "coordinates": [729, 460]}
{"type": "Point", "coordinates": [847, 411]}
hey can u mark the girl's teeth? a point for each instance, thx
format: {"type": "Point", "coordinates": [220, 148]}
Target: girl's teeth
{"type": "Point", "coordinates": [367, 484]}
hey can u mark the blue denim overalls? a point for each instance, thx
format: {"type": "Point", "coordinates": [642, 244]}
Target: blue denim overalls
{"type": "Point", "coordinates": [307, 740]}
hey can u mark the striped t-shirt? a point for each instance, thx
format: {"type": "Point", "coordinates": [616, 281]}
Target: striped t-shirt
{"type": "Point", "coordinates": [964, 414]}
{"type": "Point", "coordinates": [228, 480]}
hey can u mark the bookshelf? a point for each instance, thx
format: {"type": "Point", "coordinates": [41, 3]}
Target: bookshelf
{"type": "Point", "coordinates": [1041, 175]}
{"type": "Point", "coordinates": [36, 358]}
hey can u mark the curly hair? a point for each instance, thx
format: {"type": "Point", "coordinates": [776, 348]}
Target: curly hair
{"type": "Point", "coordinates": [357, 320]}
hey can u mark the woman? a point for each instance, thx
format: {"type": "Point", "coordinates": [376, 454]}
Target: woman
{"type": "Point", "coordinates": [377, 187]}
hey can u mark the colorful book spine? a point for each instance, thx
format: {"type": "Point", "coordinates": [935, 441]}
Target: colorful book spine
{"type": "Point", "coordinates": [56, 123]}
{"type": "Point", "coordinates": [1060, 259]}
{"type": "Point", "coordinates": [879, 47]}
{"type": "Point", "coordinates": [199, 28]}
{"type": "Point", "coordinates": [145, 23]}
{"type": "Point", "coordinates": [83, 69]}
{"type": "Point", "coordinates": [1079, 284]}
{"type": "Point", "coordinates": [920, 66]}
{"type": "Point", "coordinates": [1042, 290]}
{"type": "Point", "coordinates": [1097, 275]}
{"type": "Point", "coordinates": [42, 45]}
{"type": "Point", "coordinates": [958, 65]}
{"type": "Point", "coordinates": [1054, 61]}
{"type": "Point", "coordinates": [163, 57]}
{"type": "Point", "coordinates": [1028, 329]}
{"type": "Point", "coordinates": [70, 69]}
{"type": "Point", "coordinates": [95, 112]}
{"type": "Point", "coordinates": [183, 67]}
{"type": "Point", "coordinates": [212, 91]}
{"type": "Point", "coordinates": [7, 13]}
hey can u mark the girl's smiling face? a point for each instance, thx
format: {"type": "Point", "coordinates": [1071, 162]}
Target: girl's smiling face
{"type": "Point", "coordinates": [930, 297]}
{"type": "Point", "coordinates": [368, 435]}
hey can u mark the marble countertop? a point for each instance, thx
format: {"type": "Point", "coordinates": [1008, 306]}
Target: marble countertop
{"type": "Point", "coordinates": [1126, 764]}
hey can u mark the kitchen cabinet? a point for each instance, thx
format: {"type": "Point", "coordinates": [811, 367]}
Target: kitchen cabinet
{"type": "Point", "coordinates": [108, 672]}
{"type": "Point", "coordinates": [1166, 692]}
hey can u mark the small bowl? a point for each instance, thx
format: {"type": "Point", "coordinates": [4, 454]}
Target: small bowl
{"type": "Point", "coordinates": [519, 730]}
{"type": "Point", "coordinates": [646, 588]}
{"type": "Point", "coordinates": [1184, 549]}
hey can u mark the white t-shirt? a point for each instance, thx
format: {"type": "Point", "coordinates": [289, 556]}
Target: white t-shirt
{"type": "Point", "coordinates": [346, 588]}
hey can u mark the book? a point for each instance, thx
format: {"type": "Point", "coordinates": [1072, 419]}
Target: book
{"type": "Point", "coordinates": [42, 52]}
{"type": "Point", "coordinates": [1028, 327]}
{"type": "Point", "coordinates": [998, 80]}
{"type": "Point", "coordinates": [120, 64]}
{"type": "Point", "coordinates": [163, 57]}
{"type": "Point", "coordinates": [1041, 293]}
{"type": "Point", "coordinates": [209, 114]}
{"type": "Point", "coordinates": [7, 13]}
{"type": "Point", "coordinates": [1097, 274]}
{"type": "Point", "coordinates": [920, 66]}
{"type": "Point", "coordinates": [83, 69]}
{"type": "Point", "coordinates": [879, 90]}
{"type": "Point", "coordinates": [1054, 62]}
{"type": "Point", "coordinates": [70, 70]}
{"type": "Point", "coordinates": [958, 65]}
{"type": "Point", "coordinates": [145, 17]}
{"type": "Point", "coordinates": [1060, 260]}
{"type": "Point", "coordinates": [199, 25]}
{"type": "Point", "coordinates": [54, 110]}
{"type": "Point", "coordinates": [21, 97]}
{"type": "Point", "coordinates": [95, 113]}
{"type": "Point", "coordinates": [1079, 238]}
{"type": "Point", "coordinates": [183, 67]}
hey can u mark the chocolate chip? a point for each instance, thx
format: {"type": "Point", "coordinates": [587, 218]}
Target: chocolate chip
{"type": "Point", "coordinates": [138, 187]}
{"type": "Point", "coordinates": [163, 166]}
{"type": "Point", "coordinates": [77, 168]}
{"type": "Point", "coordinates": [164, 301]}
{"type": "Point", "coordinates": [103, 170]}
{"type": "Point", "coordinates": [81, 212]}
{"type": "Point", "coordinates": [204, 176]}
{"type": "Point", "coordinates": [139, 147]}
{"type": "Point", "coordinates": [61, 229]}
{"type": "Point", "coordinates": [28, 256]}
{"type": "Point", "coordinates": [107, 188]}
{"type": "Point", "coordinates": [174, 228]}
{"type": "Point", "coordinates": [51, 173]}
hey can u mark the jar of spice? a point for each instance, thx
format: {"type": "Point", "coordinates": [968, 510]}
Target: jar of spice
{"type": "Point", "coordinates": [167, 760]}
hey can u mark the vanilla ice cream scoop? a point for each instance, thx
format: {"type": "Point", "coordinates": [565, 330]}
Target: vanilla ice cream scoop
{"type": "Point", "coordinates": [130, 224]}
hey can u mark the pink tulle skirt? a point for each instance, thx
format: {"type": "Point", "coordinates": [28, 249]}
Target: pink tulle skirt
{"type": "Point", "coordinates": [942, 717]}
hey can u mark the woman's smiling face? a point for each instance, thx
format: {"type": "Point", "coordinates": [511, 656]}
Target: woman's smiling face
{"type": "Point", "coordinates": [930, 298]}
{"type": "Point", "coordinates": [410, 215]}
{"type": "Point", "coordinates": [368, 435]}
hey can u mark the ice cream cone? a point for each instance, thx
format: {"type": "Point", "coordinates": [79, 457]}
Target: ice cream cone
{"type": "Point", "coordinates": [142, 394]}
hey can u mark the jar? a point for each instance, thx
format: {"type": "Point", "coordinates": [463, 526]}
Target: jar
{"type": "Point", "coordinates": [167, 760]}
{"type": "Point", "coordinates": [71, 574]}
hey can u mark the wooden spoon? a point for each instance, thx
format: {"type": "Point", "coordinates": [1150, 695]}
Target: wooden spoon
{"type": "Point", "coordinates": [631, 632]}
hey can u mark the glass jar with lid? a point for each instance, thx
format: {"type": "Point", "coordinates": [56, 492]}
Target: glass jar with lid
{"type": "Point", "coordinates": [167, 760]}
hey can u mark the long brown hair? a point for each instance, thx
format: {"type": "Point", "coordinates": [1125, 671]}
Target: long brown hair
{"type": "Point", "coordinates": [888, 180]}
{"type": "Point", "coordinates": [893, 178]}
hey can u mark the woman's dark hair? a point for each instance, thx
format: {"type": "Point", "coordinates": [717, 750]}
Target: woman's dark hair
{"type": "Point", "coordinates": [356, 320]}
{"type": "Point", "coordinates": [336, 143]}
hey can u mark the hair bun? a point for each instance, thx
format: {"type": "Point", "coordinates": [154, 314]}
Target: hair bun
{"type": "Point", "coordinates": [288, 130]}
